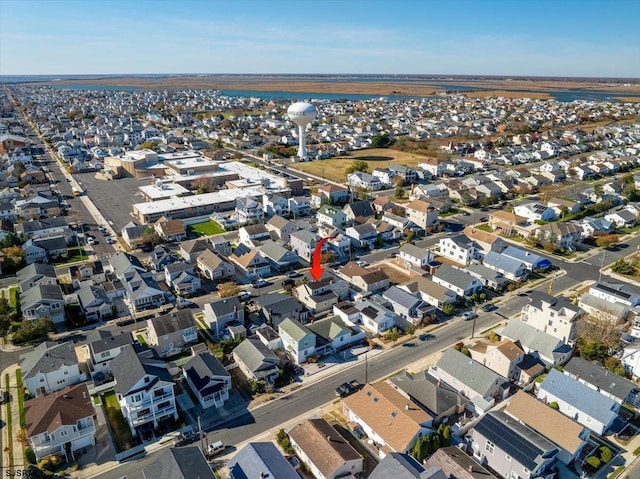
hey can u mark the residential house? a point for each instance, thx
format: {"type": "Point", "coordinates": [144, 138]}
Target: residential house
{"type": "Point", "coordinates": [50, 367]}
{"type": "Point", "coordinates": [510, 268]}
{"type": "Point", "coordinates": [60, 423]}
{"type": "Point", "coordinates": [275, 307]}
{"type": "Point", "coordinates": [256, 360]}
{"type": "Point", "coordinates": [457, 280]}
{"type": "Point", "coordinates": [508, 223]}
{"type": "Point", "coordinates": [217, 314]}
{"type": "Point", "coordinates": [598, 308]}
{"type": "Point", "coordinates": [621, 293]}
{"type": "Point", "coordinates": [563, 235]}
{"type": "Point", "coordinates": [190, 250]}
{"type": "Point", "coordinates": [595, 376]}
{"type": "Point", "coordinates": [297, 340]}
{"type": "Point", "coordinates": [250, 261]}
{"type": "Point", "coordinates": [430, 292]}
{"type": "Point", "coordinates": [381, 204]}
{"type": "Point", "coordinates": [35, 274]}
{"type": "Point", "coordinates": [458, 248]}
{"type": "Point", "coordinates": [482, 386]}
{"type": "Point", "coordinates": [455, 463]}
{"type": "Point", "coordinates": [42, 227]}
{"type": "Point", "coordinates": [332, 216]}
{"type": "Point", "coordinates": [43, 301]}
{"type": "Point", "coordinates": [279, 258]}
{"type": "Point", "coordinates": [132, 234]}
{"type": "Point", "coordinates": [253, 235]}
{"type": "Point", "coordinates": [363, 236]}
{"type": "Point", "coordinates": [595, 226]}
{"type": "Point", "coordinates": [299, 206]}
{"type": "Point", "coordinates": [551, 350]}
{"type": "Point", "coordinates": [304, 242]}
{"type": "Point", "coordinates": [209, 381]}
{"type": "Point", "coordinates": [358, 212]}
{"type": "Point", "coordinates": [101, 347]}
{"type": "Point", "coordinates": [365, 279]}
{"type": "Point", "coordinates": [484, 241]}
{"type": "Point", "coordinates": [562, 206]}
{"type": "Point", "coordinates": [330, 193]}
{"type": "Point", "coordinates": [489, 278]}
{"type": "Point", "coordinates": [249, 210]}
{"type": "Point", "coordinates": [80, 274]}
{"type": "Point", "coordinates": [260, 460]}
{"type": "Point", "coordinates": [430, 394]}
{"type": "Point", "coordinates": [32, 253]}
{"type": "Point", "coordinates": [179, 463]}
{"type": "Point", "coordinates": [567, 435]}
{"type": "Point", "coordinates": [321, 295]}
{"type": "Point", "coordinates": [144, 389]}
{"type": "Point", "coordinates": [170, 230]}
{"type": "Point", "coordinates": [213, 266]}
{"type": "Point", "coordinates": [282, 227]}
{"type": "Point", "coordinates": [392, 422]}
{"type": "Point", "coordinates": [359, 179]}
{"type": "Point", "coordinates": [333, 334]}
{"type": "Point", "coordinates": [531, 260]}
{"type": "Point", "coordinates": [55, 247]}
{"type": "Point", "coordinates": [172, 333]}
{"type": "Point", "coordinates": [502, 357]}
{"type": "Point", "coordinates": [622, 218]}
{"type": "Point", "coordinates": [327, 454]}
{"type": "Point", "coordinates": [221, 245]}
{"type": "Point", "coordinates": [36, 207]}
{"type": "Point", "coordinates": [413, 256]}
{"type": "Point", "coordinates": [554, 316]}
{"type": "Point", "coordinates": [510, 448]}
{"type": "Point", "coordinates": [578, 401]}
{"type": "Point", "coordinates": [408, 306]}
{"type": "Point", "coordinates": [181, 277]}
{"type": "Point", "coordinates": [422, 213]}
{"type": "Point", "coordinates": [407, 174]}
{"type": "Point", "coordinates": [275, 205]}
{"type": "Point", "coordinates": [95, 303]}
{"type": "Point", "coordinates": [375, 317]}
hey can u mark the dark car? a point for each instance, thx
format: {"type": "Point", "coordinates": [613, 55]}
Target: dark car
{"type": "Point", "coordinates": [293, 274]}
{"type": "Point", "coordinates": [425, 337]}
{"type": "Point", "coordinates": [288, 282]}
{"type": "Point", "coordinates": [185, 438]}
{"type": "Point", "coordinates": [489, 307]}
{"type": "Point", "coordinates": [348, 388]}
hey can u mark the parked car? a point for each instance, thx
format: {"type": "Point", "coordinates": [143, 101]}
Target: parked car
{"type": "Point", "coordinates": [215, 448]}
{"type": "Point", "coordinates": [362, 263]}
{"type": "Point", "coordinates": [244, 295]}
{"type": "Point", "coordinates": [185, 438]}
{"type": "Point", "coordinates": [348, 388]}
{"type": "Point", "coordinates": [489, 307]}
{"type": "Point", "coordinates": [393, 254]}
{"type": "Point", "coordinates": [288, 282]}
{"type": "Point", "coordinates": [467, 315]}
{"type": "Point", "coordinates": [293, 274]}
{"type": "Point", "coordinates": [91, 241]}
{"type": "Point", "coordinates": [260, 283]}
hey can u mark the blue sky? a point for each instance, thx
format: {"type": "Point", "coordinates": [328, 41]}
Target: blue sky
{"type": "Point", "coordinates": [482, 37]}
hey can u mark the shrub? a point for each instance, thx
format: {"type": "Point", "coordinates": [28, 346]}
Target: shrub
{"type": "Point", "coordinates": [30, 456]}
{"type": "Point", "coordinates": [605, 454]}
{"type": "Point", "coordinates": [554, 405]}
{"type": "Point", "coordinates": [593, 461]}
{"type": "Point", "coordinates": [493, 337]}
{"type": "Point", "coordinates": [55, 461]}
{"type": "Point", "coordinates": [285, 442]}
{"type": "Point", "coordinates": [45, 464]}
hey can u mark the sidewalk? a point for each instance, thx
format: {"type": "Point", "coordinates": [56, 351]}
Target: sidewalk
{"type": "Point", "coordinates": [13, 453]}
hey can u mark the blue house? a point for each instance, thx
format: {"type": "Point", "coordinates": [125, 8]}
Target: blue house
{"type": "Point", "coordinates": [531, 260]}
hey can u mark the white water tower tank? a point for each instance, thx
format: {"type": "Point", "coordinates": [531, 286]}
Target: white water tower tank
{"type": "Point", "coordinates": [302, 114]}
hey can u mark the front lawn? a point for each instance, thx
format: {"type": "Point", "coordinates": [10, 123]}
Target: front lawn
{"type": "Point", "coordinates": [13, 297]}
{"type": "Point", "coordinates": [208, 228]}
{"type": "Point", "coordinates": [20, 391]}
{"type": "Point", "coordinates": [119, 426]}
{"type": "Point", "coordinates": [75, 254]}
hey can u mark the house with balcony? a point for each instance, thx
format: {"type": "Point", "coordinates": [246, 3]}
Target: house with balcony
{"type": "Point", "coordinates": [144, 389]}
{"type": "Point", "coordinates": [299, 206]}
{"type": "Point", "coordinates": [172, 333]}
{"type": "Point", "coordinates": [95, 303]}
{"type": "Point", "coordinates": [50, 367]}
{"type": "Point", "coordinates": [554, 316]}
{"type": "Point", "coordinates": [253, 235]}
{"type": "Point", "coordinates": [359, 179]}
{"type": "Point", "coordinates": [60, 423]}
{"type": "Point", "coordinates": [321, 295]}
{"type": "Point", "coordinates": [249, 210]}
{"type": "Point", "coordinates": [298, 340]}
{"type": "Point", "coordinates": [458, 248]}
{"type": "Point", "coordinates": [181, 277]}
{"type": "Point", "coordinates": [563, 235]}
{"type": "Point", "coordinates": [331, 216]}
{"type": "Point", "coordinates": [217, 314]}
{"type": "Point", "coordinates": [101, 347]}
{"type": "Point", "coordinates": [304, 242]}
{"type": "Point", "coordinates": [43, 301]}
{"type": "Point", "coordinates": [275, 205]}
{"type": "Point", "coordinates": [509, 223]}
{"type": "Point", "coordinates": [209, 381]}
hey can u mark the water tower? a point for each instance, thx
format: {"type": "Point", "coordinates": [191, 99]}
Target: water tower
{"type": "Point", "coordinates": [302, 114]}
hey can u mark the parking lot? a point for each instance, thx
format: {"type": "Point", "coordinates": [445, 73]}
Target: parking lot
{"type": "Point", "coordinates": [114, 197]}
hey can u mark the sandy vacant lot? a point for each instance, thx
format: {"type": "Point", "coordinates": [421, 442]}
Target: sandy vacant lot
{"type": "Point", "coordinates": [334, 169]}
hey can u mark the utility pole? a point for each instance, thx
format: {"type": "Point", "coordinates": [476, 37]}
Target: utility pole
{"type": "Point", "coordinates": [204, 451]}
{"type": "Point", "coordinates": [473, 325]}
{"type": "Point", "coordinates": [366, 368]}
{"type": "Point", "coordinates": [604, 254]}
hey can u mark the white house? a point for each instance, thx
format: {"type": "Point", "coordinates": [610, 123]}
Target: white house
{"type": "Point", "coordinates": [50, 367]}
{"type": "Point", "coordinates": [458, 248]}
{"type": "Point", "coordinates": [535, 211]}
{"type": "Point", "coordinates": [554, 316]}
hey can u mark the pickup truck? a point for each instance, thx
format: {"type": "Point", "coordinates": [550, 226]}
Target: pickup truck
{"type": "Point", "coordinates": [348, 388]}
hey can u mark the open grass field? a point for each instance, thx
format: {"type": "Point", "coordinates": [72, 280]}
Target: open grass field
{"type": "Point", "coordinates": [335, 169]}
{"type": "Point", "coordinates": [119, 427]}
{"type": "Point", "coordinates": [208, 228]}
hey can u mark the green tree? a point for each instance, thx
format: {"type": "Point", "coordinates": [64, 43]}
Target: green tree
{"type": "Point", "coordinates": [151, 236]}
{"type": "Point", "coordinates": [411, 330]}
{"type": "Point", "coordinates": [593, 461]}
{"type": "Point", "coordinates": [380, 141]}
{"type": "Point", "coordinates": [435, 442]}
{"type": "Point", "coordinates": [392, 335]}
{"type": "Point", "coordinates": [448, 309]}
{"type": "Point", "coordinates": [399, 193]}
{"type": "Point", "coordinates": [358, 165]}
{"type": "Point", "coordinates": [446, 436]}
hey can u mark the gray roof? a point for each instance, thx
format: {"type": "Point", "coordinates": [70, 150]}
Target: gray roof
{"type": "Point", "coordinates": [625, 292]}
{"type": "Point", "coordinates": [547, 346]}
{"type": "Point", "coordinates": [375, 312]}
{"type": "Point", "coordinates": [278, 303]}
{"type": "Point", "coordinates": [398, 465]}
{"type": "Point", "coordinates": [128, 368]}
{"type": "Point", "coordinates": [123, 262]}
{"type": "Point", "coordinates": [34, 272]}
{"type": "Point", "coordinates": [505, 263]}
{"type": "Point", "coordinates": [401, 297]}
{"type": "Point", "coordinates": [48, 357]}
{"type": "Point", "coordinates": [523, 444]}
{"type": "Point", "coordinates": [484, 272]}
{"type": "Point", "coordinates": [41, 292]}
{"type": "Point", "coordinates": [462, 240]}
{"type": "Point", "coordinates": [179, 463]}
{"type": "Point", "coordinates": [258, 458]}
{"type": "Point", "coordinates": [413, 250]}
{"type": "Point", "coordinates": [91, 293]}
{"type": "Point", "coordinates": [469, 372]}
{"type": "Point", "coordinates": [201, 368]}
{"type": "Point", "coordinates": [456, 464]}
{"type": "Point", "coordinates": [595, 374]}
{"type": "Point", "coordinates": [225, 306]}
{"type": "Point", "coordinates": [172, 322]}
{"type": "Point", "coordinates": [360, 208]}
{"type": "Point", "coordinates": [193, 246]}
{"type": "Point", "coordinates": [537, 298]}
{"type": "Point", "coordinates": [424, 390]}
{"type": "Point", "coordinates": [51, 243]}
{"type": "Point", "coordinates": [580, 396]}
{"type": "Point", "coordinates": [253, 353]}
{"type": "Point", "coordinates": [527, 257]}
{"type": "Point", "coordinates": [103, 340]}
{"type": "Point", "coordinates": [454, 276]}
{"type": "Point", "coordinates": [275, 251]}
{"type": "Point", "coordinates": [42, 224]}
{"type": "Point", "coordinates": [617, 309]}
{"type": "Point", "coordinates": [305, 236]}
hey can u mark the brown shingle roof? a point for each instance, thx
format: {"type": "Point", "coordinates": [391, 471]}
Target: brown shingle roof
{"type": "Point", "coordinates": [479, 235]}
{"type": "Point", "coordinates": [384, 410]}
{"type": "Point", "coordinates": [419, 205]}
{"type": "Point", "coordinates": [552, 424]}
{"type": "Point", "coordinates": [323, 445]}
{"type": "Point", "coordinates": [65, 407]}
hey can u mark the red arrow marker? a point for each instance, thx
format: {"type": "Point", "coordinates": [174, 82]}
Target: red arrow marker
{"type": "Point", "coordinates": [316, 269]}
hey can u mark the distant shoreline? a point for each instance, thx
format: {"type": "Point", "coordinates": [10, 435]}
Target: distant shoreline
{"type": "Point", "coordinates": [370, 85]}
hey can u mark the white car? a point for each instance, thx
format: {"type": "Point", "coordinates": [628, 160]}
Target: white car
{"type": "Point", "coordinates": [468, 315]}
{"type": "Point", "coordinates": [91, 241]}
